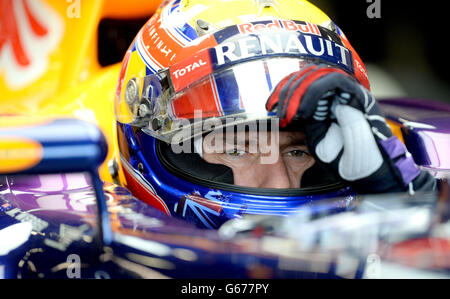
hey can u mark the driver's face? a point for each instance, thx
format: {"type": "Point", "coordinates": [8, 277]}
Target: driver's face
{"type": "Point", "coordinates": [291, 160]}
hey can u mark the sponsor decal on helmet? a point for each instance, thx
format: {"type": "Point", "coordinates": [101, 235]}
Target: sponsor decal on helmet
{"type": "Point", "coordinates": [288, 25]}
{"type": "Point", "coordinates": [191, 70]}
{"type": "Point", "coordinates": [159, 49]}
{"type": "Point", "coordinates": [283, 43]}
{"type": "Point", "coordinates": [238, 48]}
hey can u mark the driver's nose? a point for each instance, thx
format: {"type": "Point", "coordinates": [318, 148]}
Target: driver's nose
{"type": "Point", "coordinates": [274, 175]}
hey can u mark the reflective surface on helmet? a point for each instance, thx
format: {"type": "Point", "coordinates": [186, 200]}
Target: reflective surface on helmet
{"type": "Point", "coordinates": [234, 95]}
{"type": "Point", "coordinates": [228, 97]}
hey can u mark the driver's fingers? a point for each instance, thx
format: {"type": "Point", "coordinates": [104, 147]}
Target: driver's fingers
{"type": "Point", "coordinates": [331, 145]}
{"type": "Point", "coordinates": [361, 156]}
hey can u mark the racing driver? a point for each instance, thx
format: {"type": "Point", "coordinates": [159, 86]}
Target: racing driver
{"type": "Point", "coordinates": [231, 107]}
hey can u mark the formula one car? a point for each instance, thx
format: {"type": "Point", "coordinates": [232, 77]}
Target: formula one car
{"type": "Point", "coordinates": [66, 213]}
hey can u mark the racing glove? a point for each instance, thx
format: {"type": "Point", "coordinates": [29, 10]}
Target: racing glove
{"type": "Point", "coordinates": [346, 131]}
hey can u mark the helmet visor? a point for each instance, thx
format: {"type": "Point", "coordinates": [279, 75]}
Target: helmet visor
{"type": "Point", "coordinates": [227, 97]}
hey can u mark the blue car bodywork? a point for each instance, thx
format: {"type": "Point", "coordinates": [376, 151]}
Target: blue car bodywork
{"type": "Point", "coordinates": [59, 220]}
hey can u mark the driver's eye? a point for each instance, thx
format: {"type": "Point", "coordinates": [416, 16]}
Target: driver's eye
{"type": "Point", "coordinates": [297, 153]}
{"type": "Point", "coordinates": [235, 153]}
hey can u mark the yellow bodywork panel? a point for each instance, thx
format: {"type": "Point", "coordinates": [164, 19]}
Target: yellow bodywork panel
{"type": "Point", "coordinates": [49, 64]}
{"type": "Point", "coordinates": [48, 53]}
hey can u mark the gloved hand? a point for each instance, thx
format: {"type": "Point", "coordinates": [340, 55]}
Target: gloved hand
{"type": "Point", "coordinates": [345, 130]}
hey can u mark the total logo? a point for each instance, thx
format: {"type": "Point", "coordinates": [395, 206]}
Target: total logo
{"type": "Point", "coordinates": [287, 25]}
{"type": "Point", "coordinates": [189, 68]}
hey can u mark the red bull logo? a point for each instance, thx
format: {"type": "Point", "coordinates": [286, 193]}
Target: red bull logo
{"type": "Point", "coordinates": [287, 25]}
